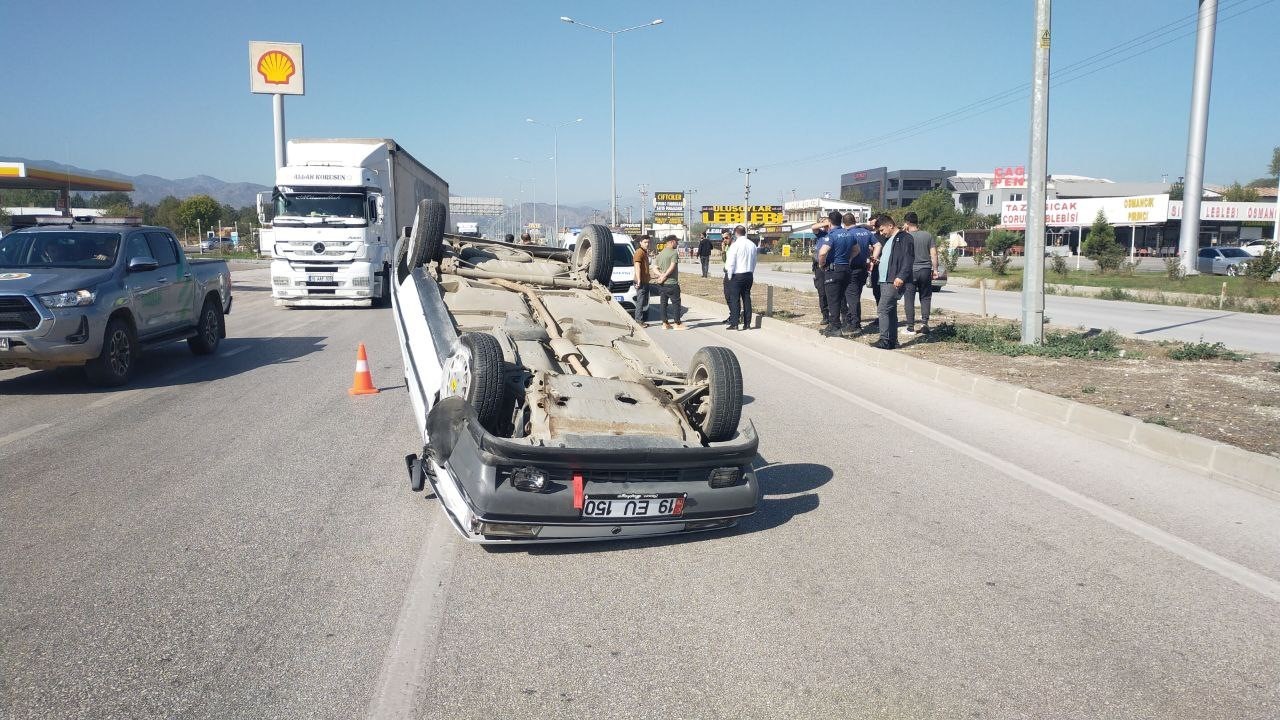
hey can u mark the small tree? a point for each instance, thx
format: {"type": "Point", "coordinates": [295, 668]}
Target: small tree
{"type": "Point", "coordinates": [1236, 192]}
{"type": "Point", "coordinates": [1101, 246]}
{"type": "Point", "coordinates": [1175, 191]}
{"type": "Point", "coordinates": [1000, 241]}
{"type": "Point", "coordinates": [4, 218]}
{"type": "Point", "coordinates": [199, 209]}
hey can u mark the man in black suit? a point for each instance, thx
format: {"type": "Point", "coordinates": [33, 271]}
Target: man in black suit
{"type": "Point", "coordinates": [704, 254]}
{"type": "Point", "coordinates": [895, 258]}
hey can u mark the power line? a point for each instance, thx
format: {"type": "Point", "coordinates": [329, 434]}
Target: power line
{"type": "Point", "coordinates": [1090, 65]}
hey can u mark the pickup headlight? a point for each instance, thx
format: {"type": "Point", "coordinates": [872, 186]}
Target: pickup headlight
{"type": "Point", "coordinates": [70, 298]}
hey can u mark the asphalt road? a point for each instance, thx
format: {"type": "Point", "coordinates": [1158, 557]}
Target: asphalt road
{"type": "Point", "coordinates": [1240, 331]}
{"type": "Point", "coordinates": [232, 537]}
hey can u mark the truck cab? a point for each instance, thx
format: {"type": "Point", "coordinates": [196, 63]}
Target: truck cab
{"type": "Point", "coordinates": [330, 246]}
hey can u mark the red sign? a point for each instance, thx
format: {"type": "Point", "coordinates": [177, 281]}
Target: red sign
{"type": "Point", "coordinates": [1010, 177]}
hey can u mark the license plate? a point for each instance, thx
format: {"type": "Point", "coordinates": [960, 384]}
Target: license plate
{"type": "Point", "coordinates": [4, 343]}
{"type": "Point", "coordinates": [319, 278]}
{"type": "Point", "coordinates": [618, 298]}
{"type": "Point", "coordinates": [632, 506]}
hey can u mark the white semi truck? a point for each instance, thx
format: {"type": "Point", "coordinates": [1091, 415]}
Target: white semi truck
{"type": "Point", "coordinates": [336, 212]}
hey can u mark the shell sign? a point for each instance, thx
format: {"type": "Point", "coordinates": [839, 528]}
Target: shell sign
{"type": "Point", "coordinates": [275, 68]}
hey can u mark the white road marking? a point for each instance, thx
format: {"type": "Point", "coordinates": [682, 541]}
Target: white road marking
{"type": "Point", "coordinates": [25, 432]}
{"type": "Point", "coordinates": [413, 643]}
{"type": "Point", "coordinates": [112, 398]}
{"type": "Point", "coordinates": [1185, 549]}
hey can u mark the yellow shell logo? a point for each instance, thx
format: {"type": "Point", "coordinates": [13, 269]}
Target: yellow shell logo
{"type": "Point", "coordinates": [276, 67]}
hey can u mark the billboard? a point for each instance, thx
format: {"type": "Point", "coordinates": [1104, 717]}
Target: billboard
{"type": "Point", "coordinates": [1212, 210]}
{"type": "Point", "coordinates": [668, 208]}
{"type": "Point", "coordinates": [1133, 210]}
{"type": "Point", "coordinates": [1014, 177]}
{"type": "Point", "coordinates": [275, 68]}
{"type": "Point", "coordinates": [733, 214]}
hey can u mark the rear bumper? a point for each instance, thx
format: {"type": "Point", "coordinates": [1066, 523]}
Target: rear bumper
{"type": "Point", "coordinates": [468, 469]}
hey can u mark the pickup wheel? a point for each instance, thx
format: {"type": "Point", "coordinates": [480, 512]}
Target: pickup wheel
{"type": "Point", "coordinates": [475, 373]}
{"type": "Point", "coordinates": [426, 240]}
{"type": "Point", "coordinates": [717, 413]}
{"type": "Point", "coordinates": [208, 329]}
{"type": "Point", "coordinates": [594, 253]}
{"type": "Point", "coordinates": [114, 365]}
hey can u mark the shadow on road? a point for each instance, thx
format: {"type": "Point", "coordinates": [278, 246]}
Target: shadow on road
{"type": "Point", "coordinates": [172, 365]}
{"type": "Point", "coordinates": [1183, 324]}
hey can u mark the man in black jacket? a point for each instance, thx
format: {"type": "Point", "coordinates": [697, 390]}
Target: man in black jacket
{"type": "Point", "coordinates": [895, 258]}
{"type": "Point", "coordinates": [704, 255]}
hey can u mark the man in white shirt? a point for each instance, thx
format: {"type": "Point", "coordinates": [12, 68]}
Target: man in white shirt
{"type": "Point", "coordinates": [740, 268]}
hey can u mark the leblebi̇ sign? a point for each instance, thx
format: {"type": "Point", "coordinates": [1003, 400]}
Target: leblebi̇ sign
{"type": "Point", "coordinates": [275, 68]}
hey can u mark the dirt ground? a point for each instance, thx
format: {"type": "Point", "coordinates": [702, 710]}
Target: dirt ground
{"type": "Point", "coordinates": [1237, 403]}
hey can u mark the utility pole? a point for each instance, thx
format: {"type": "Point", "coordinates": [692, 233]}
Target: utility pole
{"type": "Point", "coordinates": [644, 195]}
{"type": "Point", "coordinates": [1193, 188]}
{"type": "Point", "coordinates": [746, 196]}
{"type": "Point", "coordinates": [688, 204]}
{"type": "Point", "coordinates": [1033, 265]}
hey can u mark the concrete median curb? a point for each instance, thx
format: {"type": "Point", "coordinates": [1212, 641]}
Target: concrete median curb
{"type": "Point", "coordinates": [1252, 471]}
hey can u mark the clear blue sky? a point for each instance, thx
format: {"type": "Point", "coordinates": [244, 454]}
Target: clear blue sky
{"type": "Point", "coordinates": [162, 88]}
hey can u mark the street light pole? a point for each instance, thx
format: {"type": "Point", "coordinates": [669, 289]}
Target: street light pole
{"type": "Point", "coordinates": [613, 105]}
{"type": "Point", "coordinates": [746, 196]}
{"type": "Point", "coordinates": [1033, 265]}
{"type": "Point", "coordinates": [1193, 188]}
{"type": "Point", "coordinates": [555, 131]}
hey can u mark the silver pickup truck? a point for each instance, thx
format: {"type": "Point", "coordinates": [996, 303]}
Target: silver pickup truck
{"type": "Point", "coordinates": [96, 294]}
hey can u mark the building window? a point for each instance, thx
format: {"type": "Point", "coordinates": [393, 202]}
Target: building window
{"type": "Point", "coordinates": [1016, 197]}
{"type": "Point", "coordinates": [916, 185]}
{"type": "Point", "coordinates": [893, 184]}
{"type": "Point", "coordinates": [991, 199]}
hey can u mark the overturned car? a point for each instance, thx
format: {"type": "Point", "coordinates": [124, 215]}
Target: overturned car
{"type": "Point", "coordinates": [547, 413]}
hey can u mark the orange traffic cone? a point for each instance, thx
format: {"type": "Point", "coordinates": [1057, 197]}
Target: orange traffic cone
{"type": "Point", "coordinates": [363, 382]}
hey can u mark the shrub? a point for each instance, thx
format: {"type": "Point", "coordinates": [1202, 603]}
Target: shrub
{"type": "Point", "coordinates": [948, 256]}
{"type": "Point", "coordinates": [1004, 339]}
{"type": "Point", "coordinates": [1204, 351]}
{"type": "Point", "coordinates": [1127, 268]}
{"type": "Point", "coordinates": [980, 256]}
{"type": "Point", "coordinates": [1000, 264]}
{"type": "Point", "coordinates": [1101, 246]}
{"type": "Point", "coordinates": [1000, 241]}
{"type": "Point", "coordinates": [1115, 293]}
{"type": "Point", "coordinates": [1173, 268]}
{"type": "Point", "coordinates": [1264, 266]}
{"type": "Point", "coordinates": [1058, 265]}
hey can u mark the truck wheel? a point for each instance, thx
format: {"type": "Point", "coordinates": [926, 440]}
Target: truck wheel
{"type": "Point", "coordinates": [208, 329]}
{"type": "Point", "coordinates": [718, 412]}
{"type": "Point", "coordinates": [114, 365]}
{"type": "Point", "coordinates": [426, 240]}
{"type": "Point", "coordinates": [594, 253]}
{"type": "Point", "coordinates": [475, 373]}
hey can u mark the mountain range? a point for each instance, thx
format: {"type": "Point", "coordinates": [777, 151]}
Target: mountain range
{"type": "Point", "coordinates": [152, 188]}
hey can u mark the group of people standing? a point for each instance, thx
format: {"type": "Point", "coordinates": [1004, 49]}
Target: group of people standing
{"type": "Point", "coordinates": [896, 261]}
{"type": "Point", "coordinates": [667, 281]}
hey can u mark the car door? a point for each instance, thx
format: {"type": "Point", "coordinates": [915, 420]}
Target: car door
{"type": "Point", "coordinates": [1204, 260]}
{"type": "Point", "coordinates": [175, 289]}
{"type": "Point", "coordinates": [144, 288]}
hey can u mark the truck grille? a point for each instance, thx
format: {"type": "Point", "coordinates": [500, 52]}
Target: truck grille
{"type": "Point", "coordinates": [619, 287]}
{"type": "Point", "coordinates": [17, 313]}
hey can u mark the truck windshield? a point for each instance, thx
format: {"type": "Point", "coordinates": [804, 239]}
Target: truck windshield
{"type": "Point", "coordinates": [321, 205]}
{"type": "Point", "coordinates": [61, 249]}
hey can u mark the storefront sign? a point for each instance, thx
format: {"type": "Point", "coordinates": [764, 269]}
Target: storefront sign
{"type": "Point", "coordinates": [1135, 210]}
{"type": "Point", "coordinates": [732, 214]}
{"type": "Point", "coordinates": [1014, 177]}
{"type": "Point", "coordinates": [1243, 211]}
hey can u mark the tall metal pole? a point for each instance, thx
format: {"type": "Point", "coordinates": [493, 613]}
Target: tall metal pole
{"type": "Point", "coordinates": [1193, 186]}
{"type": "Point", "coordinates": [746, 196]}
{"type": "Point", "coordinates": [644, 196]}
{"type": "Point", "coordinates": [613, 127]}
{"type": "Point", "coordinates": [1033, 264]}
{"type": "Point", "coordinates": [277, 115]}
{"type": "Point", "coordinates": [556, 172]}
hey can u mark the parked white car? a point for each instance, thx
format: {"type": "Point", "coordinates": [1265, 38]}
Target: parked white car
{"type": "Point", "coordinates": [1257, 247]}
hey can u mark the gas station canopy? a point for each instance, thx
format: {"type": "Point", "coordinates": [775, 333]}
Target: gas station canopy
{"type": "Point", "coordinates": [21, 176]}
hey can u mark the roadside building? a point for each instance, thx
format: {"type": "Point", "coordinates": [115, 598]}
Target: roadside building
{"type": "Point", "coordinates": [885, 188]}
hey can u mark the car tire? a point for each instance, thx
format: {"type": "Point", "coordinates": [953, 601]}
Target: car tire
{"type": "Point", "coordinates": [426, 240]}
{"type": "Point", "coordinates": [114, 365]}
{"type": "Point", "coordinates": [1233, 270]}
{"type": "Point", "coordinates": [208, 329]}
{"type": "Point", "coordinates": [722, 407]}
{"type": "Point", "coordinates": [594, 253]}
{"type": "Point", "coordinates": [482, 356]}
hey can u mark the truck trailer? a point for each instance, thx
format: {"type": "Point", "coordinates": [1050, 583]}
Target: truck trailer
{"type": "Point", "coordinates": [335, 213]}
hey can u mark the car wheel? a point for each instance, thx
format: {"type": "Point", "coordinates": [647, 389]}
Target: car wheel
{"type": "Point", "coordinates": [1233, 270]}
{"type": "Point", "coordinates": [114, 365]}
{"type": "Point", "coordinates": [208, 329]}
{"type": "Point", "coordinates": [474, 372]}
{"type": "Point", "coordinates": [426, 240]}
{"type": "Point", "coordinates": [594, 253]}
{"type": "Point", "coordinates": [718, 412]}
